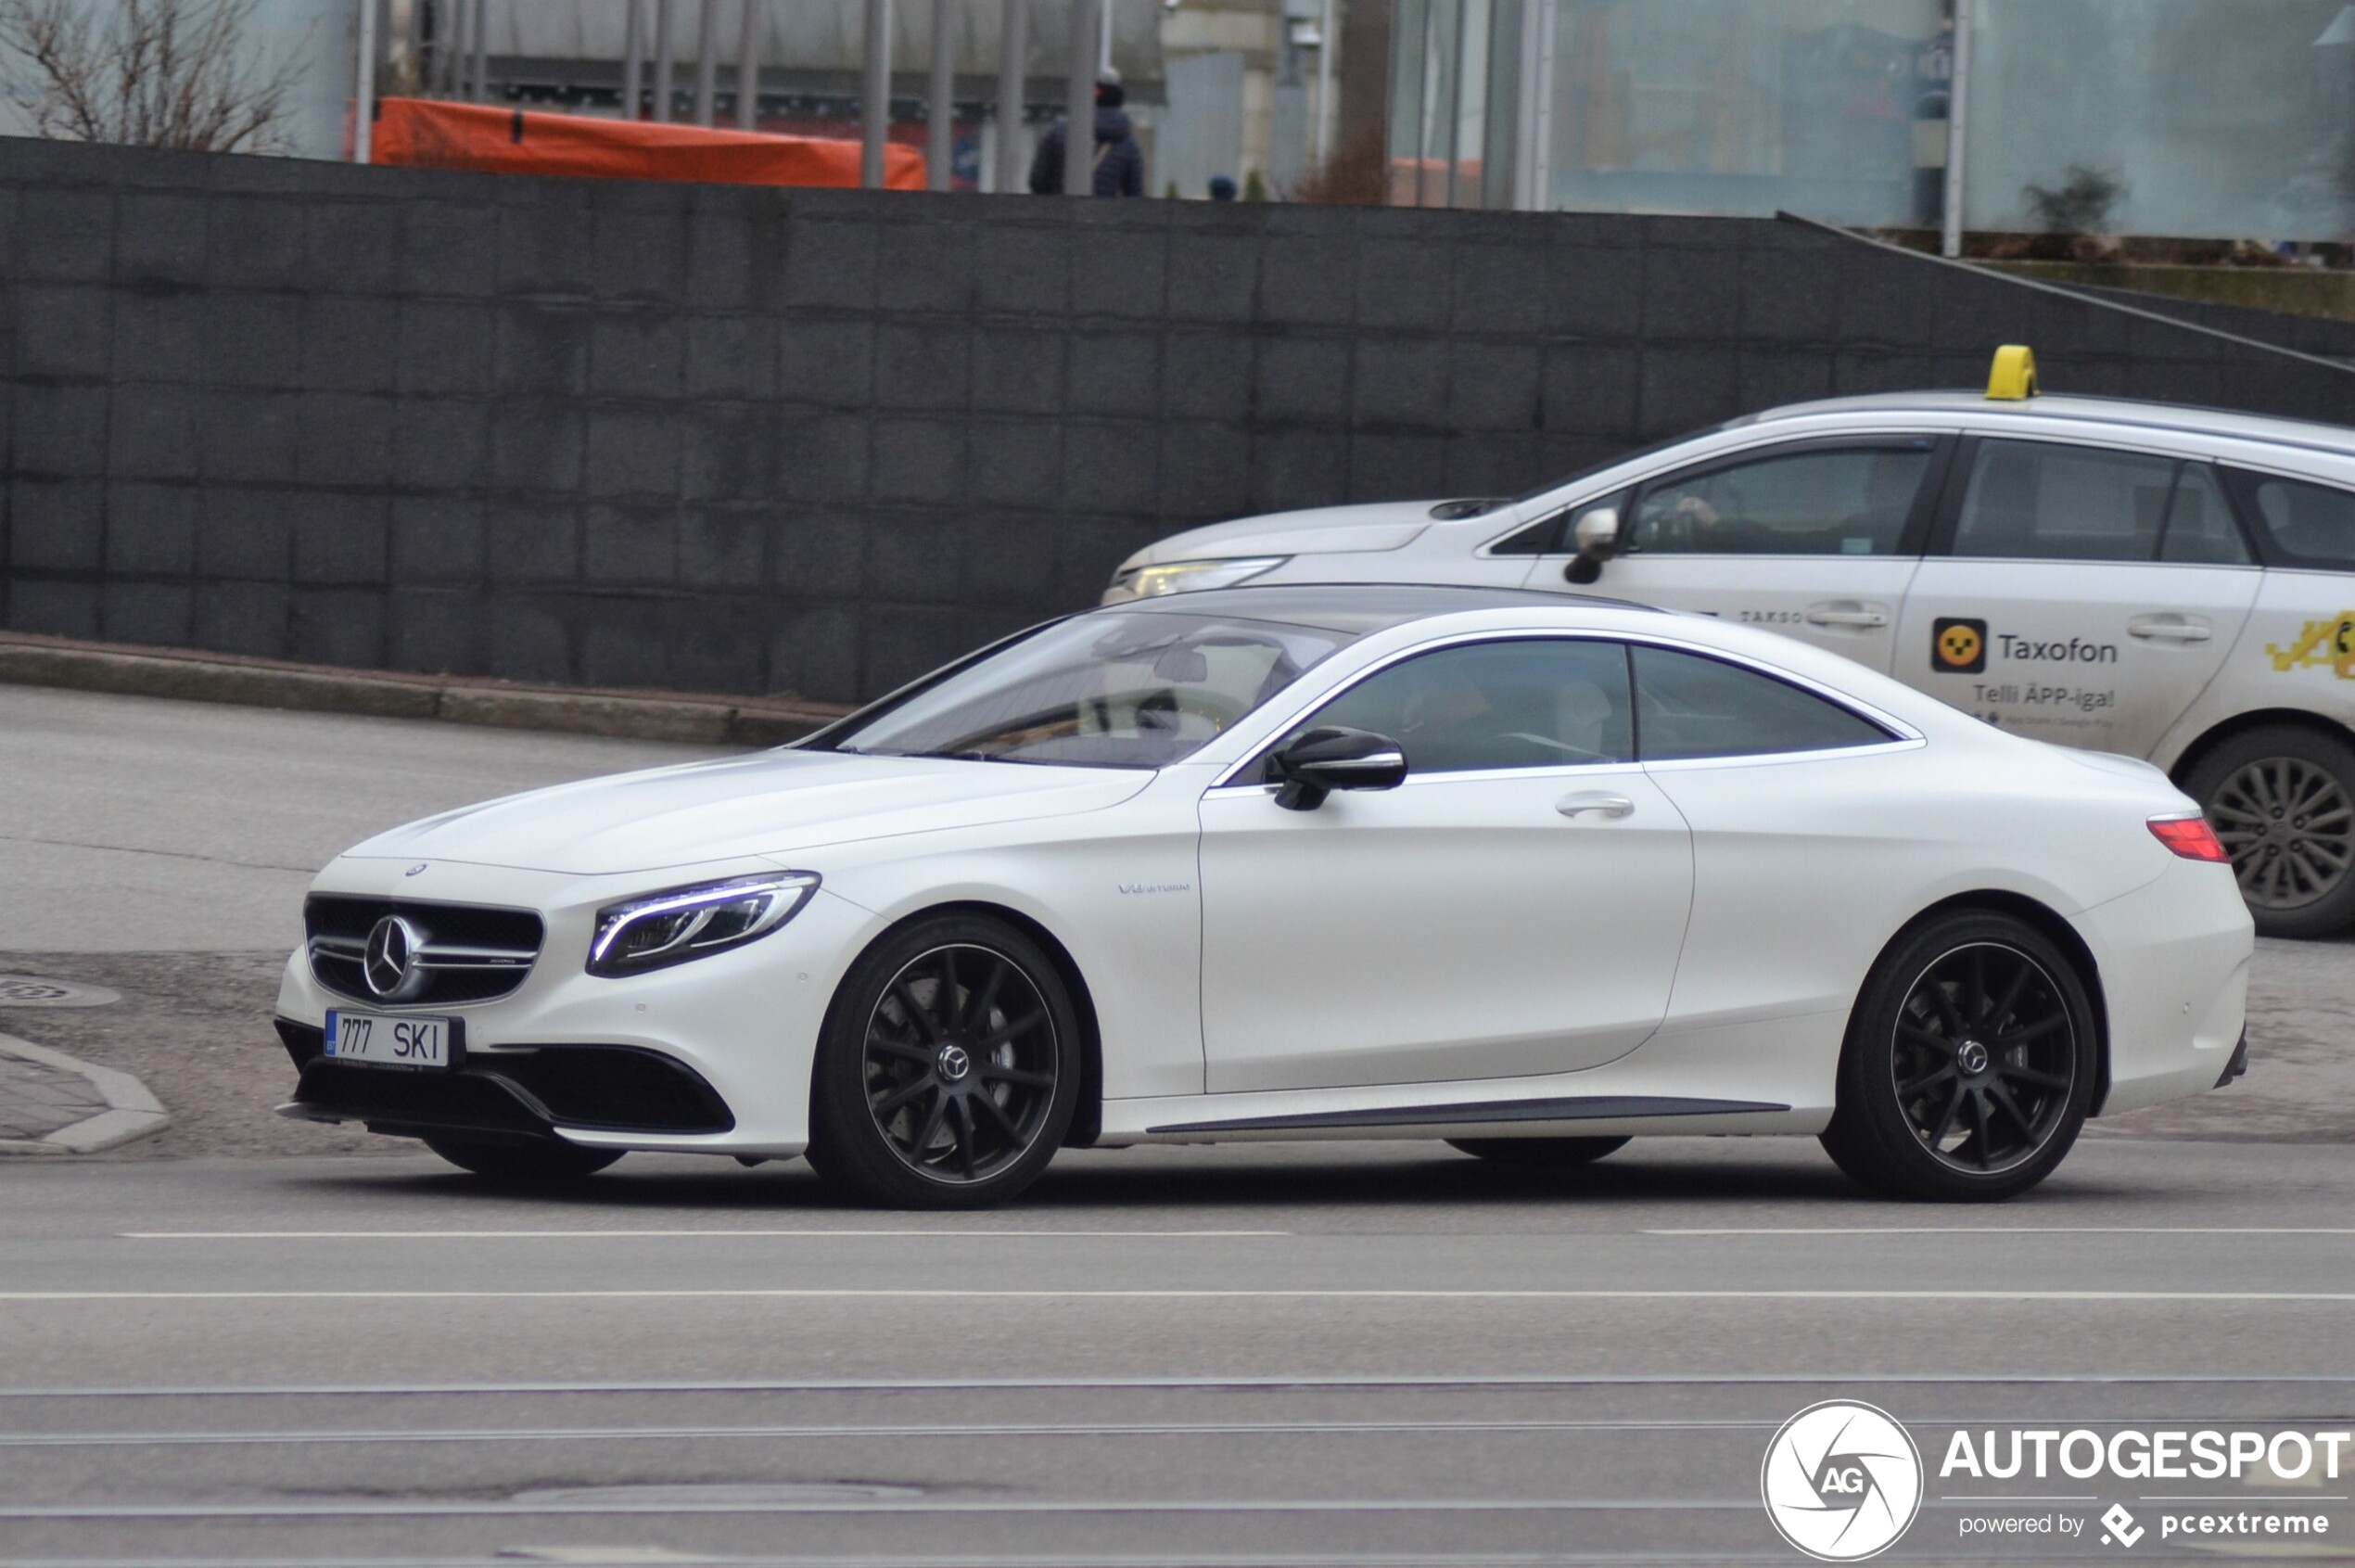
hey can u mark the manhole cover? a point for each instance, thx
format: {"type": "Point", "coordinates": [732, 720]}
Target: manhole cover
{"type": "Point", "coordinates": [31, 990]}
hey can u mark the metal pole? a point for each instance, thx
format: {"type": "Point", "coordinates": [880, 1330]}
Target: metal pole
{"type": "Point", "coordinates": [748, 67]}
{"type": "Point", "coordinates": [363, 87]}
{"type": "Point", "coordinates": [1325, 86]}
{"type": "Point", "coordinates": [483, 50]}
{"type": "Point", "coordinates": [1950, 240]}
{"type": "Point", "coordinates": [450, 46]}
{"type": "Point", "coordinates": [1014, 60]}
{"type": "Point", "coordinates": [666, 57]}
{"type": "Point", "coordinates": [1079, 129]}
{"type": "Point", "coordinates": [874, 103]}
{"type": "Point", "coordinates": [707, 63]}
{"type": "Point", "coordinates": [940, 110]}
{"type": "Point", "coordinates": [633, 60]}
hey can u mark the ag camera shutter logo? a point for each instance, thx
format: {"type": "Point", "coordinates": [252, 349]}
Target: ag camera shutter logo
{"type": "Point", "coordinates": [1842, 1481]}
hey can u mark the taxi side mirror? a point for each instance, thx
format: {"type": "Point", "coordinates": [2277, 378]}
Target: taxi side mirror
{"type": "Point", "coordinates": [1596, 533]}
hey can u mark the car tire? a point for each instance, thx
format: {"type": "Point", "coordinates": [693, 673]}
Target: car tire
{"type": "Point", "coordinates": [522, 1164]}
{"type": "Point", "coordinates": [2282, 798]}
{"type": "Point", "coordinates": [1547, 1153]}
{"type": "Point", "coordinates": [1969, 1063]}
{"type": "Point", "coordinates": [934, 1020]}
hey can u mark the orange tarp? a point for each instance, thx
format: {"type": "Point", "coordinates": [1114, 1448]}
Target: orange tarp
{"type": "Point", "coordinates": [430, 134]}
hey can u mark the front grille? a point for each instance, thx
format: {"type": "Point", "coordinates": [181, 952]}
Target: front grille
{"type": "Point", "coordinates": [467, 952]}
{"type": "Point", "coordinates": [611, 1088]}
{"type": "Point", "coordinates": [615, 1087]}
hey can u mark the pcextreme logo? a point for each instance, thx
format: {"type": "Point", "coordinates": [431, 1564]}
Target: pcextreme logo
{"type": "Point", "coordinates": [1841, 1481]}
{"type": "Point", "coordinates": [1958, 647]}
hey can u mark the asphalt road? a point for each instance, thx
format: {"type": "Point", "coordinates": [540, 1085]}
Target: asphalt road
{"type": "Point", "coordinates": [1367, 1354]}
{"type": "Point", "coordinates": [1341, 1354]}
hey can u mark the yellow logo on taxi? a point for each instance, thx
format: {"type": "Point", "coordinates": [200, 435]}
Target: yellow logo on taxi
{"type": "Point", "coordinates": [1959, 645]}
{"type": "Point", "coordinates": [2328, 643]}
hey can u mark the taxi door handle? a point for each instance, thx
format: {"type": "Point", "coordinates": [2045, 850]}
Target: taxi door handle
{"type": "Point", "coordinates": [2169, 628]}
{"type": "Point", "coordinates": [1595, 800]}
{"type": "Point", "coordinates": [1846, 612]}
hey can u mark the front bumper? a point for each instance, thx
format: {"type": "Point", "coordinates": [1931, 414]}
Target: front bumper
{"type": "Point", "coordinates": [712, 1056]}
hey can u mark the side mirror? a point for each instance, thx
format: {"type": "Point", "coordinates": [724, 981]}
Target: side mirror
{"type": "Point", "coordinates": [1331, 758]}
{"type": "Point", "coordinates": [1596, 531]}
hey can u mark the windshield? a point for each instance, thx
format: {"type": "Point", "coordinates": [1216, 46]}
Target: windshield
{"type": "Point", "coordinates": [1111, 689]}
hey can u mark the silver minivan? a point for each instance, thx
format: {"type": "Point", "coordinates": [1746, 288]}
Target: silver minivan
{"type": "Point", "coordinates": [2172, 583]}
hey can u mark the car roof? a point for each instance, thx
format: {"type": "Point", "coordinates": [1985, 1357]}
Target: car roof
{"type": "Point", "coordinates": [1359, 609]}
{"type": "Point", "coordinates": [2178, 418]}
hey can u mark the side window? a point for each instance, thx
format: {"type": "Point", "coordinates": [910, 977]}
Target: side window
{"type": "Point", "coordinates": [1539, 703]}
{"type": "Point", "coordinates": [1690, 706]}
{"type": "Point", "coordinates": [2200, 530]}
{"type": "Point", "coordinates": [2312, 524]}
{"type": "Point", "coordinates": [1842, 501]}
{"type": "Point", "coordinates": [2035, 501]}
{"type": "Point", "coordinates": [1555, 535]}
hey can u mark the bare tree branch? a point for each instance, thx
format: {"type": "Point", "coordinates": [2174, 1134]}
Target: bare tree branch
{"type": "Point", "coordinates": [164, 73]}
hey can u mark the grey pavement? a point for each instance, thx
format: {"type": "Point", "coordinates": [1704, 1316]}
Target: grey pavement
{"type": "Point", "coordinates": [1375, 1353]}
{"type": "Point", "coordinates": [37, 1099]}
{"type": "Point", "coordinates": [140, 824]}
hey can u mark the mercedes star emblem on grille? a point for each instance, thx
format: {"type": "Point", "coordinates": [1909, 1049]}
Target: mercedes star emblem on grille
{"type": "Point", "coordinates": [392, 948]}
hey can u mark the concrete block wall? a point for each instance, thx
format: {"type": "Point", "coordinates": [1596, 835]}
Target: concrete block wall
{"type": "Point", "coordinates": [814, 443]}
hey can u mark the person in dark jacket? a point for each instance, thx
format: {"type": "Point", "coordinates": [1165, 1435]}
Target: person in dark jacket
{"type": "Point", "coordinates": [1120, 163]}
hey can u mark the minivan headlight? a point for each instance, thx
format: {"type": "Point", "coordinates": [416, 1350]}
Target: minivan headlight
{"type": "Point", "coordinates": [1188, 577]}
{"type": "Point", "coordinates": [661, 929]}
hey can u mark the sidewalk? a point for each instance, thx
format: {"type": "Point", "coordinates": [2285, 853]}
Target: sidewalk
{"type": "Point", "coordinates": [52, 1103]}
{"type": "Point", "coordinates": [30, 659]}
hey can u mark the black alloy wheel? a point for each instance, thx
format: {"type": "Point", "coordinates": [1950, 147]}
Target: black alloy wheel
{"type": "Point", "coordinates": [2281, 800]}
{"type": "Point", "coordinates": [1969, 1063]}
{"type": "Point", "coordinates": [1538, 1153]}
{"type": "Point", "coordinates": [521, 1165]}
{"type": "Point", "coordinates": [948, 1073]}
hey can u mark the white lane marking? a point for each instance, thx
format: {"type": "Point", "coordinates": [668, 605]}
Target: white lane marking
{"type": "Point", "coordinates": [391, 1435]}
{"type": "Point", "coordinates": [357, 1508]}
{"type": "Point", "coordinates": [868, 1293]}
{"type": "Point", "coordinates": [2008, 1230]}
{"type": "Point", "coordinates": [640, 1236]}
{"type": "Point", "coordinates": [1206, 1383]}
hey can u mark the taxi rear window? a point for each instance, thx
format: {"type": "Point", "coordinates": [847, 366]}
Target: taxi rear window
{"type": "Point", "coordinates": [2304, 523]}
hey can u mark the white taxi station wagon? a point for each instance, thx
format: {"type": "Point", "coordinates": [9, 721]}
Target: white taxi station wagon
{"type": "Point", "coordinates": [2177, 584]}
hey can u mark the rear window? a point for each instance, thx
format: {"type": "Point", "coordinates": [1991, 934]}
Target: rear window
{"type": "Point", "coordinates": [2305, 524]}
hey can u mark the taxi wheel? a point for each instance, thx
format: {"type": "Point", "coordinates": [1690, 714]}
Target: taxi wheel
{"type": "Point", "coordinates": [1969, 1063]}
{"type": "Point", "coordinates": [1539, 1153]}
{"type": "Point", "coordinates": [522, 1163]}
{"type": "Point", "coordinates": [2282, 799]}
{"type": "Point", "coordinates": [947, 1071]}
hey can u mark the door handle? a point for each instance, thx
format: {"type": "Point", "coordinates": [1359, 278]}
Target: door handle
{"type": "Point", "coordinates": [1846, 612]}
{"type": "Point", "coordinates": [2169, 628]}
{"type": "Point", "coordinates": [1595, 800]}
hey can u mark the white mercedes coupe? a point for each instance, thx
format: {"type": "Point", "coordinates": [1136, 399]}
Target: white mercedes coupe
{"type": "Point", "coordinates": [1529, 874]}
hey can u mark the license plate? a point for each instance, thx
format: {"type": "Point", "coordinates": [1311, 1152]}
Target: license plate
{"type": "Point", "coordinates": [377, 1040]}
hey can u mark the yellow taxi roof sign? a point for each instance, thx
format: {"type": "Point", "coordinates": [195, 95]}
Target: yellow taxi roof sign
{"type": "Point", "coordinates": [2014, 377]}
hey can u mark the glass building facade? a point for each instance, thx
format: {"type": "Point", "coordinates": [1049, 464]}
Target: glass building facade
{"type": "Point", "coordinates": [2219, 118]}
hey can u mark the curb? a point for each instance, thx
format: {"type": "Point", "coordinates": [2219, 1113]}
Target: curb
{"type": "Point", "coordinates": [28, 659]}
{"type": "Point", "coordinates": [132, 1111]}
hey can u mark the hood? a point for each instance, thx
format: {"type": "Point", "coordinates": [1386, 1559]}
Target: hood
{"type": "Point", "coordinates": [1112, 124]}
{"type": "Point", "coordinates": [773, 803]}
{"type": "Point", "coordinates": [1323, 531]}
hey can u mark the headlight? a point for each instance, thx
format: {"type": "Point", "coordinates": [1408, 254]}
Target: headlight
{"type": "Point", "coordinates": [662, 929]}
{"type": "Point", "coordinates": [1187, 577]}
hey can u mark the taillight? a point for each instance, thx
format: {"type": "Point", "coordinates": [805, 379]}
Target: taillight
{"type": "Point", "coordinates": [2190, 837]}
